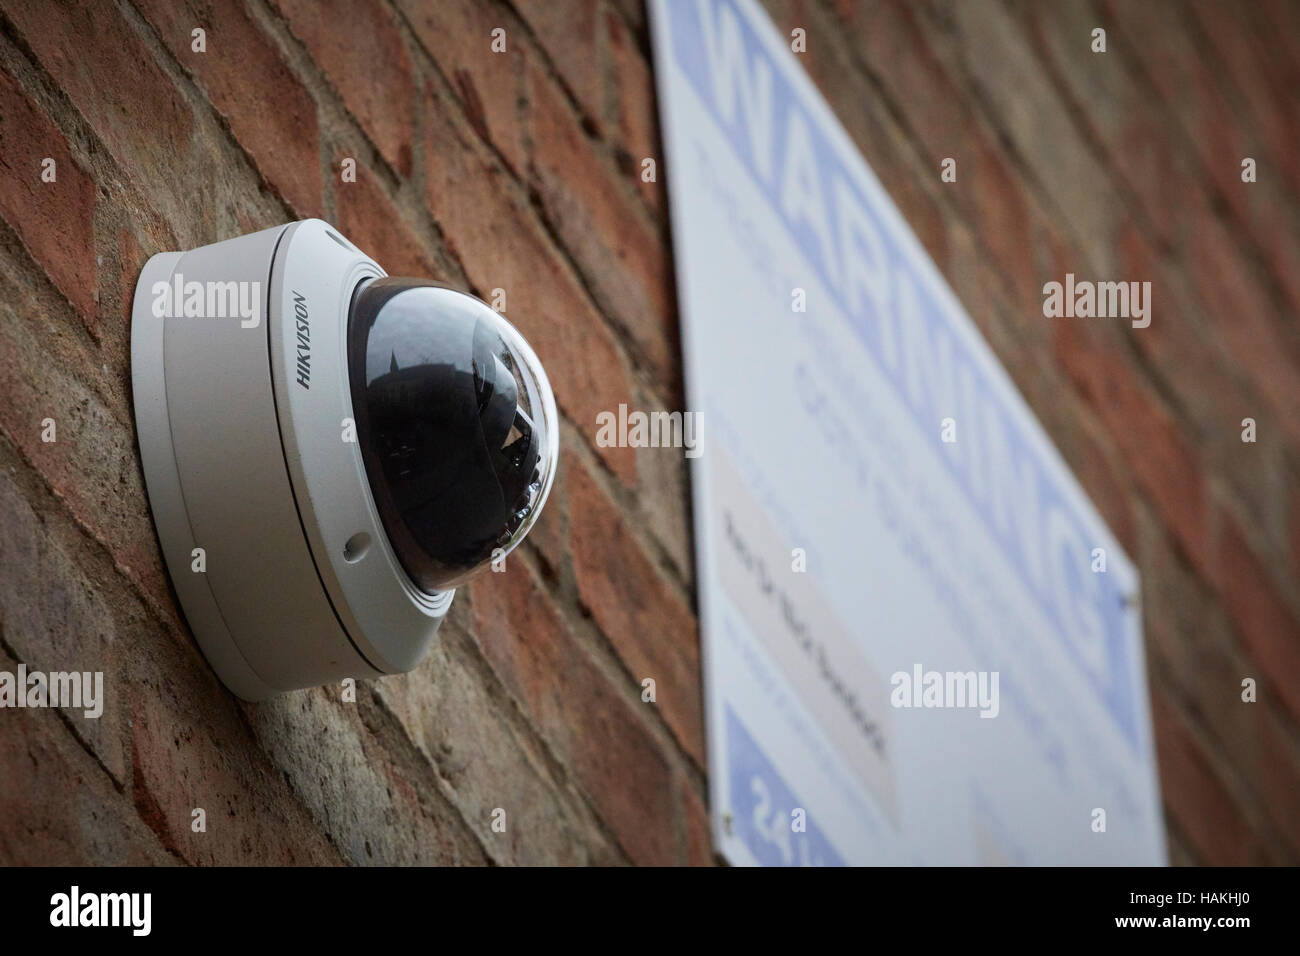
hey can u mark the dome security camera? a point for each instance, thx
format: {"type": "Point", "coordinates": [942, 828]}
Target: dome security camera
{"type": "Point", "coordinates": [328, 452]}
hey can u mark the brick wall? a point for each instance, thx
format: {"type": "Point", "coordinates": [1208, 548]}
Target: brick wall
{"type": "Point", "coordinates": [520, 171]}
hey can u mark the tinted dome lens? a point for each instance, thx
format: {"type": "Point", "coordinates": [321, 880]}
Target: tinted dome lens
{"type": "Point", "coordinates": [456, 425]}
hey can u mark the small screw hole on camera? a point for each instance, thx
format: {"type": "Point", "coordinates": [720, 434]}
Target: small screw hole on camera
{"type": "Point", "coordinates": [356, 547]}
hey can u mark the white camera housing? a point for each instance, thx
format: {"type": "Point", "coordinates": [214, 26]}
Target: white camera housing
{"type": "Point", "coordinates": [284, 562]}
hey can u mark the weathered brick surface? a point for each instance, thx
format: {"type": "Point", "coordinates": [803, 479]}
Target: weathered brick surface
{"type": "Point", "coordinates": [1162, 459]}
{"type": "Point", "coordinates": [521, 171]}
{"type": "Point", "coordinates": [1269, 629]}
{"type": "Point", "coordinates": [489, 85]}
{"type": "Point", "coordinates": [361, 50]}
{"type": "Point", "coordinates": [370, 220]}
{"type": "Point", "coordinates": [698, 841]}
{"type": "Point", "coordinates": [184, 758]}
{"type": "Point", "coordinates": [93, 57]}
{"type": "Point", "coordinates": [571, 34]}
{"type": "Point", "coordinates": [58, 807]}
{"type": "Point", "coordinates": [91, 466]}
{"type": "Point", "coordinates": [594, 211]}
{"type": "Point", "coordinates": [1195, 797]}
{"type": "Point", "coordinates": [55, 220]}
{"type": "Point", "coordinates": [1277, 766]}
{"type": "Point", "coordinates": [578, 708]}
{"type": "Point", "coordinates": [243, 72]}
{"type": "Point", "coordinates": [638, 119]}
{"type": "Point", "coordinates": [649, 624]}
{"type": "Point", "coordinates": [54, 620]}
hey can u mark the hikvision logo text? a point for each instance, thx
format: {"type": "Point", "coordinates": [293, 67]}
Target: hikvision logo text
{"type": "Point", "coordinates": [304, 339]}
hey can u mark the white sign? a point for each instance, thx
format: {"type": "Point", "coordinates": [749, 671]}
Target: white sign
{"type": "Point", "coordinates": [921, 642]}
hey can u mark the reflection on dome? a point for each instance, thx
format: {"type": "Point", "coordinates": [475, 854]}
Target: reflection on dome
{"type": "Point", "coordinates": [455, 424]}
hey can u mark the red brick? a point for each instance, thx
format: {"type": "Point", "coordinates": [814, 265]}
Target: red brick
{"type": "Point", "coordinates": [1015, 96]}
{"type": "Point", "coordinates": [900, 56]}
{"type": "Point", "coordinates": [1155, 31]}
{"type": "Point", "coordinates": [362, 52]}
{"type": "Point", "coordinates": [1159, 175]}
{"type": "Point", "coordinates": [634, 12]}
{"type": "Point", "coordinates": [1264, 87]}
{"type": "Point", "coordinates": [649, 624]}
{"type": "Point", "coordinates": [1177, 342]}
{"type": "Point", "coordinates": [663, 506]}
{"type": "Point", "coordinates": [54, 618]}
{"type": "Point", "coordinates": [244, 75]}
{"type": "Point", "coordinates": [1220, 134]}
{"type": "Point", "coordinates": [1192, 87]}
{"type": "Point", "coordinates": [699, 841]}
{"type": "Point", "coordinates": [638, 113]}
{"type": "Point", "coordinates": [469, 734]}
{"type": "Point", "coordinates": [97, 59]}
{"type": "Point", "coordinates": [1147, 141]}
{"type": "Point", "coordinates": [1278, 29]}
{"type": "Point", "coordinates": [1295, 530]}
{"type": "Point", "coordinates": [933, 226]}
{"type": "Point", "coordinates": [623, 259]}
{"type": "Point", "coordinates": [493, 232]}
{"type": "Point", "coordinates": [1151, 440]}
{"type": "Point", "coordinates": [588, 722]}
{"type": "Point", "coordinates": [1254, 334]}
{"type": "Point", "coordinates": [57, 806]}
{"type": "Point", "coordinates": [1268, 628]}
{"type": "Point", "coordinates": [92, 466]}
{"type": "Point", "coordinates": [1195, 797]}
{"type": "Point", "coordinates": [786, 14]}
{"type": "Point", "coordinates": [570, 33]}
{"type": "Point", "coordinates": [1279, 773]}
{"type": "Point", "coordinates": [458, 35]}
{"type": "Point", "coordinates": [370, 220]}
{"type": "Point", "coordinates": [1170, 172]}
{"type": "Point", "coordinates": [1000, 220]}
{"type": "Point", "coordinates": [181, 762]}
{"type": "Point", "coordinates": [1103, 478]}
{"type": "Point", "coordinates": [1277, 237]}
{"type": "Point", "coordinates": [352, 769]}
{"type": "Point", "coordinates": [55, 221]}
{"type": "Point", "coordinates": [1193, 652]}
{"type": "Point", "coordinates": [1204, 382]}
